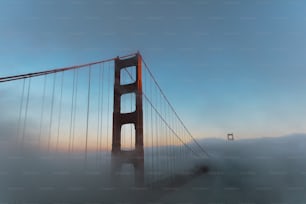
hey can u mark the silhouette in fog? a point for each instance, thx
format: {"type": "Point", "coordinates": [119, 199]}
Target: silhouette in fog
{"type": "Point", "coordinates": [230, 136]}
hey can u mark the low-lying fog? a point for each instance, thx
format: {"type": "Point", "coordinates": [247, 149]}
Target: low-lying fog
{"type": "Point", "coordinates": [265, 170]}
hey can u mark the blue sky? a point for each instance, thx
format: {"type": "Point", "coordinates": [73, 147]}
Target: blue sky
{"type": "Point", "coordinates": [227, 66]}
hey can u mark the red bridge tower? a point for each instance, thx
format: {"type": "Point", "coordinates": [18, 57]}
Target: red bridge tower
{"type": "Point", "coordinates": [135, 156]}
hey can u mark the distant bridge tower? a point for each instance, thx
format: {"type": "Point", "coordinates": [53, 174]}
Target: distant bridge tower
{"type": "Point", "coordinates": [230, 136]}
{"type": "Point", "coordinates": [135, 156]}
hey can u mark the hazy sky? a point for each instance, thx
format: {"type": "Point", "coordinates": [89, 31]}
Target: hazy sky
{"type": "Point", "coordinates": [227, 66]}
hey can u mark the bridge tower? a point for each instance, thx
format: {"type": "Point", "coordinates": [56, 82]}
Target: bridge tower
{"type": "Point", "coordinates": [135, 156]}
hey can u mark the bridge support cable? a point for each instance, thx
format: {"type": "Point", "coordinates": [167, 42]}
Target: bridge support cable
{"type": "Point", "coordinates": [101, 85]}
{"type": "Point", "coordinates": [51, 113]}
{"type": "Point", "coordinates": [173, 110]}
{"type": "Point", "coordinates": [48, 110]}
{"type": "Point", "coordinates": [42, 111]}
{"type": "Point", "coordinates": [20, 111]}
{"type": "Point", "coordinates": [26, 113]}
{"type": "Point", "coordinates": [70, 111]}
{"type": "Point", "coordinates": [152, 138]}
{"type": "Point", "coordinates": [53, 71]}
{"type": "Point", "coordinates": [98, 145]}
{"type": "Point", "coordinates": [88, 110]}
{"type": "Point", "coordinates": [167, 153]}
{"type": "Point", "coordinates": [168, 124]}
{"type": "Point", "coordinates": [109, 76]}
{"type": "Point", "coordinates": [75, 105]}
{"type": "Point", "coordinates": [60, 111]}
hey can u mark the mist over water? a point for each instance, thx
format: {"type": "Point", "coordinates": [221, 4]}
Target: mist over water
{"type": "Point", "coordinates": [30, 174]}
{"type": "Point", "coordinates": [266, 170]}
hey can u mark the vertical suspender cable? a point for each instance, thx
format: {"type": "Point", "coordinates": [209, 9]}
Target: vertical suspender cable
{"type": "Point", "coordinates": [152, 135]}
{"type": "Point", "coordinates": [102, 93]}
{"type": "Point", "coordinates": [88, 109]}
{"type": "Point", "coordinates": [42, 110]}
{"type": "Point", "coordinates": [75, 109]}
{"type": "Point", "coordinates": [51, 112]}
{"type": "Point", "coordinates": [175, 113]}
{"type": "Point", "coordinates": [20, 111]}
{"type": "Point", "coordinates": [71, 112]}
{"type": "Point", "coordinates": [156, 136]}
{"type": "Point", "coordinates": [60, 112]}
{"type": "Point", "coordinates": [108, 86]}
{"type": "Point", "coordinates": [98, 113]}
{"type": "Point", "coordinates": [26, 112]}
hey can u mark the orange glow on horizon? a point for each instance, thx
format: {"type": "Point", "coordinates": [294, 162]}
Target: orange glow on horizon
{"type": "Point", "coordinates": [79, 145]}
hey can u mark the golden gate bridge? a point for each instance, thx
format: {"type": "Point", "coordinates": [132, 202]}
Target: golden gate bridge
{"type": "Point", "coordinates": [109, 117]}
